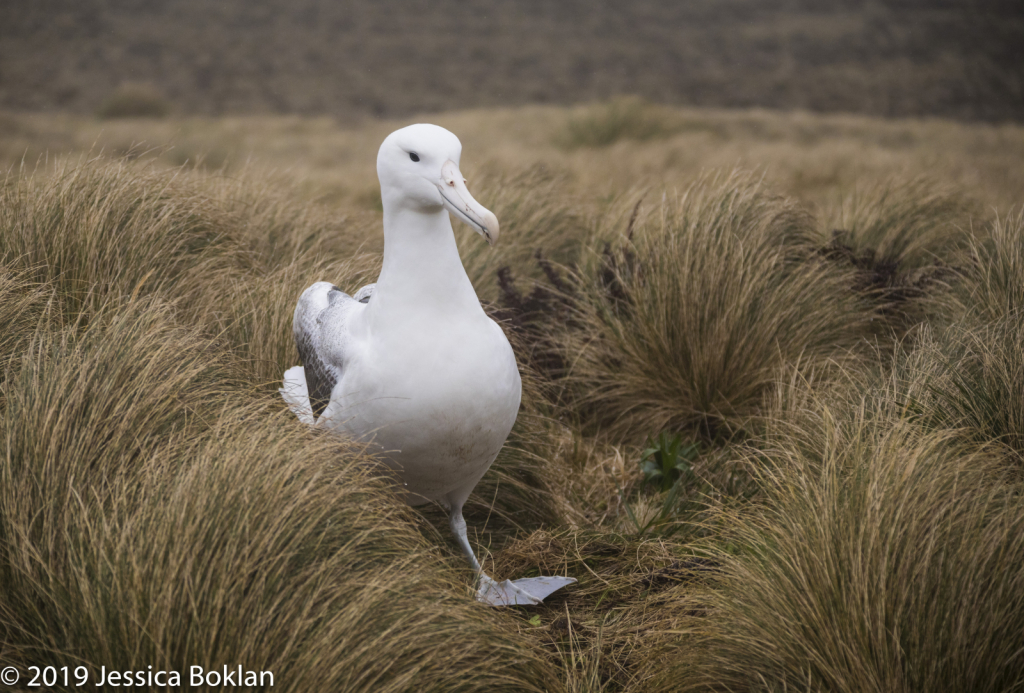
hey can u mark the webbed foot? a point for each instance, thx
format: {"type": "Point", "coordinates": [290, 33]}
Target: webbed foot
{"type": "Point", "coordinates": [522, 592]}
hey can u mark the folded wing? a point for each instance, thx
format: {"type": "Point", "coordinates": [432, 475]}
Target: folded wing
{"type": "Point", "coordinates": [321, 336]}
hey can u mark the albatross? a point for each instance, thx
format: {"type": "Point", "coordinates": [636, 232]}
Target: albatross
{"type": "Point", "coordinates": [412, 365]}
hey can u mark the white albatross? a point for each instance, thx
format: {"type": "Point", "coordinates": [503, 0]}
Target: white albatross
{"type": "Point", "coordinates": [412, 364]}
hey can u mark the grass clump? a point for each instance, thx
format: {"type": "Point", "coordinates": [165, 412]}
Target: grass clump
{"type": "Point", "coordinates": [688, 326]}
{"type": "Point", "coordinates": [882, 558]}
{"type": "Point", "coordinates": [92, 382]}
{"type": "Point", "coordinates": [813, 509]}
{"type": "Point", "coordinates": [100, 230]}
{"type": "Point", "coordinates": [624, 118]}
{"type": "Point", "coordinates": [904, 241]}
{"type": "Point", "coordinates": [134, 101]}
{"type": "Point", "coordinates": [624, 606]}
{"type": "Point", "coordinates": [909, 224]}
{"type": "Point", "coordinates": [231, 256]}
{"type": "Point", "coordinates": [159, 508]}
{"type": "Point", "coordinates": [970, 379]}
{"type": "Point", "coordinates": [24, 304]}
{"type": "Point", "coordinates": [994, 286]}
{"type": "Point", "coordinates": [539, 215]}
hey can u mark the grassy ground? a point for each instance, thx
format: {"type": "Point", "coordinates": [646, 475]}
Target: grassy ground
{"type": "Point", "coordinates": [806, 328]}
{"type": "Point", "coordinates": [599, 151]}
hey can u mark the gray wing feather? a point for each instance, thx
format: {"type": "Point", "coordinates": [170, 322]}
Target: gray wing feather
{"type": "Point", "coordinates": [319, 332]}
{"type": "Point", "coordinates": [364, 294]}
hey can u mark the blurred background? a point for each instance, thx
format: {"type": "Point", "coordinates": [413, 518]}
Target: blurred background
{"type": "Point", "coordinates": [391, 58]}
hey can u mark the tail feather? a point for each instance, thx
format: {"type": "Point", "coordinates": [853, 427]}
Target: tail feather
{"type": "Point", "coordinates": [296, 394]}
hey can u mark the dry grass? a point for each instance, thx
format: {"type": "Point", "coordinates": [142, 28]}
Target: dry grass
{"type": "Point", "coordinates": [539, 212]}
{"type": "Point", "coordinates": [99, 232]}
{"type": "Point", "coordinates": [968, 378]}
{"type": "Point", "coordinates": [622, 119]}
{"type": "Point", "coordinates": [23, 306]}
{"type": "Point", "coordinates": [881, 559]}
{"type": "Point", "coordinates": [994, 287]}
{"type": "Point", "coordinates": [690, 322]}
{"type": "Point", "coordinates": [820, 159]}
{"type": "Point", "coordinates": [134, 101]}
{"type": "Point", "coordinates": [850, 521]}
{"type": "Point", "coordinates": [158, 509]}
{"type": "Point", "coordinates": [910, 223]}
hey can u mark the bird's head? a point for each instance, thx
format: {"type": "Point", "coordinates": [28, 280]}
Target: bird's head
{"type": "Point", "coordinates": [418, 167]}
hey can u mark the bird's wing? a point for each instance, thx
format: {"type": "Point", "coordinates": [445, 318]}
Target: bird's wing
{"type": "Point", "coordinates": [321, 336]}
{"type": "Point", "coordinates": [364, 294]}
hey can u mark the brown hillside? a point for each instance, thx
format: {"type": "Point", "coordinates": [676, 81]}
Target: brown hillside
{"type": "Point", "coordinates": [396, 57]}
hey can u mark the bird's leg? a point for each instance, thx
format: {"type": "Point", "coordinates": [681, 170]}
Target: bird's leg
{"type": "Point", "coordinates": [459, 530]}
{"type": "Point", "coordinates": [490, 591]}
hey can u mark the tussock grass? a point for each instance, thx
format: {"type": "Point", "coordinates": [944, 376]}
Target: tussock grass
{"type": "Point", "coordinates": [849, 521]}
{"type": "Point", "coordinates": [539, 213]}
{"type": "Point", "coordinates": [134, 101]}
{"type": "Point", "coordinates": [968, 378]}
{"type": "Point", "coordinates": [881, 559]}
{"type": "Point", "coordinates": [994, 287]}
{"type": "Point", "coordinates": [624, 606]}
{"type": "Point", "coordinates": [275, 229]}
{"type": "Point", "coordinates": [909, 224]}
{"type": "Point", "coordinates": [252, 311]}
{"type": "Point", "coordinates": [625, 118]}
{"type": "Point", "coordinates": [157, 508]}
{"type": "Point", "coordinates": [86, 386]}
{"type": "Point", "coordinates": [23, 306]}
{"type": "Point", "coordinates": [232, 256]}
{"type": "Point", "coordinates": [819, 159]}
{"type": "Point", "coordinates": [905, 242]}
{"type": "Point", "coordinates": [689, 324]}
{"type": "Point", "coordinates": [100, 230]}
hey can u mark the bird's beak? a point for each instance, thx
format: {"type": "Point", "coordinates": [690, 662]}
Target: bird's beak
{"type": "Point", "coordinates": [460, 203]}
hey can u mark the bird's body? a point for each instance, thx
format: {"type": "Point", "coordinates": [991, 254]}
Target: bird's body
{"type": "Point", "coordinates": [434, 391]}
{"type": "Point", "coordinates": [413, 365]}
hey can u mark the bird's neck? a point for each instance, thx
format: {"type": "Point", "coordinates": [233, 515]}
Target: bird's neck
{"type": "Point", "coordinates": [422, 267]}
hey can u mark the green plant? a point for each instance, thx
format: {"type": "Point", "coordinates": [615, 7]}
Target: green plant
{"type": "Point", "coordinates": [666, 464]}
{"type": "Point", "coordinates": [666, 461]}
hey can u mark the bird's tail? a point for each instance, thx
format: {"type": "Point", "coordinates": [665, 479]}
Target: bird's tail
{"type": "Point", "coordinates": [296, 394]}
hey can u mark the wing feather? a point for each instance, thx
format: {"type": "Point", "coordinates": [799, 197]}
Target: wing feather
{"type": "Point", "coordinates": [365, 293]}
{"type": "Point", "coordinates": [319, 329]}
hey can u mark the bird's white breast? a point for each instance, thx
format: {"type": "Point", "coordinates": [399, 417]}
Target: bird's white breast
{"type": "Point", "coordinates": [437, 398]}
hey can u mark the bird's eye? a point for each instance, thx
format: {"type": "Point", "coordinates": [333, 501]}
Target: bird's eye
{"type": "Point", "coordinates": [414, 156]}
